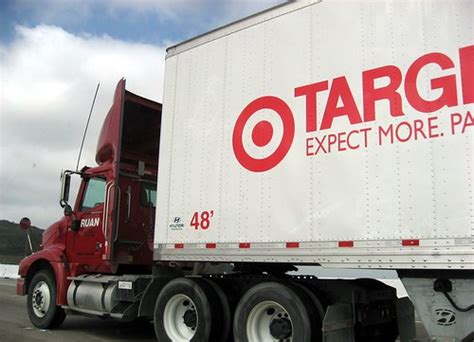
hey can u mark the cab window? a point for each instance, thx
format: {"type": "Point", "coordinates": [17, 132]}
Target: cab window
{"type": "Point", "coordinates": [148, 194]}
{"type": "Point", "coordinates": [94, 193]}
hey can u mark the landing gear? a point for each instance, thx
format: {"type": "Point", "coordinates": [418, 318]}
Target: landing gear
{"type": "Point", "coordinates": [41, 302]}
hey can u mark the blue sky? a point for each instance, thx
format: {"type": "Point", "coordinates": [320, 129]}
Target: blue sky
{"type": "Point", "coordinates": [52, 55]}
{"type": "Point", "coordinates": [146, 21]}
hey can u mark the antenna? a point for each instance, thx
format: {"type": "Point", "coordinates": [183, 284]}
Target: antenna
{"type": "Point", "coordinates": [87, 126]}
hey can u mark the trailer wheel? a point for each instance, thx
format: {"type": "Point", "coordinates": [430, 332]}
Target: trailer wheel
{"type": "Point", "coordinates": [225, 309]}
{"type": "Point", "coordinates": [274, 312]}
{"type": "Point", "coordinates": [41, 302]}
{"type": "Point", "coordinates": [189, 310]}
{"type": "Point", "coordinates": [318, 311]}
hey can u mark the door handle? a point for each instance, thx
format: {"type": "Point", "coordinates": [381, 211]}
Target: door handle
{"type": "Point", "coordinates": [129, 201]}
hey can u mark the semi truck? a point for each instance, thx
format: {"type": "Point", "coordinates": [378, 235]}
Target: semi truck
{"type": "Point", "coordinates": [332, 134]}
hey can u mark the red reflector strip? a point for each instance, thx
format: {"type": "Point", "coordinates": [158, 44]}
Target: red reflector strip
{"type": "Point", "coordinates": [179, 245]}
{"type": "Point", "coordinates": [244, 245]}
{"type": "Point", "coordinates": [346, 243]}
{"type": "Point", "coordinates": [415, 242]}
{"type": "Point", "coordinates": [210, 245]}
{"type": "Point", "coordinates": [292, 245]}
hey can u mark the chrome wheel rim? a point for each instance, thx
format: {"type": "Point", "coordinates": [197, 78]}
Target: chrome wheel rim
{"type": "Point", "coordinates": [180, 318]}
{"type": "Point", "coordinates": [41, 299]}
{"type": "Point", "coordinates": [263, 316]}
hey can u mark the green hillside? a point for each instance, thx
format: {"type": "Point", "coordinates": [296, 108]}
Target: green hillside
{"type": "Point", "coordinates": [13, 241]}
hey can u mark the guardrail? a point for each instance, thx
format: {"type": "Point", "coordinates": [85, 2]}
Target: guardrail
{"type": "Point", "coordinates": [8, 271]}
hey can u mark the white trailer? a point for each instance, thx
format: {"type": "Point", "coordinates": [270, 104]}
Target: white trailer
{"type": "Point", "coordinates": [320, 135]}
{"type": "Point", "coordinates": [330, 133]}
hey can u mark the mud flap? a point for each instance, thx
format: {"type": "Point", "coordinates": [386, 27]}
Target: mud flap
{"type": "Point", "coordinates": [406, 319]}
{"type": "Point", "coordinates": [338, 324]}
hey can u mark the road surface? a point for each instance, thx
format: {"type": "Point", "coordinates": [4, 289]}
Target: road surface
{"type": "Point", "coordinates": [15, 325]}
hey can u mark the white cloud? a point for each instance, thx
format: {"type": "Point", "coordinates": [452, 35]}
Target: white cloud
{"type": "Point", "coordinates": [48, 77]}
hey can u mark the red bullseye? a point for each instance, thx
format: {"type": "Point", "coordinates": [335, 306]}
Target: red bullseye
{"type": "Point", "coordinates": [262, 133]}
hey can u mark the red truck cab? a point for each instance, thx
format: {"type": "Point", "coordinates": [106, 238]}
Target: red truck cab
{"type": "Point", "coordinates": [110, 228]}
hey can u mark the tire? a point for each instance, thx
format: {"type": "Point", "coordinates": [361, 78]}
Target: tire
{"type": "Point", "coordinates": [273, 311]}
{"type": "Point", "coordinates": [318, 312]}
{"type": "Point", "coordinates": [189, 310]}
{"type": "Point", "coordinates": [41, 301]}
{"type": "Point", "coordinates": [226, 319]}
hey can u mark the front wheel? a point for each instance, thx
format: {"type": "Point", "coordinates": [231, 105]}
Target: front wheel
{"type": "Point", "coordinates": [41, 302]}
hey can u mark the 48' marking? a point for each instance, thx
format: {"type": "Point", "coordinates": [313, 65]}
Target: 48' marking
{"type": "Point", "coordinates": [201, 220]}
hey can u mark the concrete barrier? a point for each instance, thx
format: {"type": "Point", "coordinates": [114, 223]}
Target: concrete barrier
{"type": "Point", "coordinates": [8, 271]}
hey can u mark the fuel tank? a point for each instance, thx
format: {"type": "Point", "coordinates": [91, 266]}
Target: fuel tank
{"type": "Point", "coordinates": [93, 292]}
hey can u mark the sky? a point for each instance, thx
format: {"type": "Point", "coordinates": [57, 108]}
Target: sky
{"type": "Point", "coordinates": [52, 55]}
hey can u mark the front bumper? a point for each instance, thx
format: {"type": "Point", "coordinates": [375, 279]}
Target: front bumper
{"type": "Point", "coordinates": [20, 287]}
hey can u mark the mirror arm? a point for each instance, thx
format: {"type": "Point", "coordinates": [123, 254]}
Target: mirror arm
{"type": "Point", "coordinates": [68, 210]}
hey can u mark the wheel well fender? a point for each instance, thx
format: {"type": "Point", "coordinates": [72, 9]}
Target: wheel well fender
{"type": "Point", "coordinates": [57, 268]}
{"type": "Point", "coordinates": [162, 274]}
{"type": "Point", "coordinates": [148, 300]}
{"type": "Point", "coordinates": [36, 266]}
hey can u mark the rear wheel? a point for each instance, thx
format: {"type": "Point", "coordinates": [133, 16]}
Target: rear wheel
{"type": "Point", "coordinates": [190, 310]}
{"type": "Point", "coordinates": [41, 302]}
{"type": "Point", "coordinates": [318, 312]}
{"type": "Point", "coordinates": [224, 309]}
{"type": "Point", "coordinates": [274, 312]}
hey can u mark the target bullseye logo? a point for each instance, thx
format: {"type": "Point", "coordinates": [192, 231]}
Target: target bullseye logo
{"type": "Point", "coordinates": [263, 134]}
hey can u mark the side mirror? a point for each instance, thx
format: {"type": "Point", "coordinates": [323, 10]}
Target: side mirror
{"type": "Point", "coordinates": [64, 195]}
{"type": "Point", "coordinates": [75, 225]}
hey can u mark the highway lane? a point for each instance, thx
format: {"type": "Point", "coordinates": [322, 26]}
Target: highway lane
{"type": "Point", "coordinates": [16, 327]}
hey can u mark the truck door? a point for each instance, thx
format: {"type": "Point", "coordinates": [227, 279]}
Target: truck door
{"type": "Point", "coordinates": [134, 242]}
{"type": "Point", "coordinates": [86, 238]}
